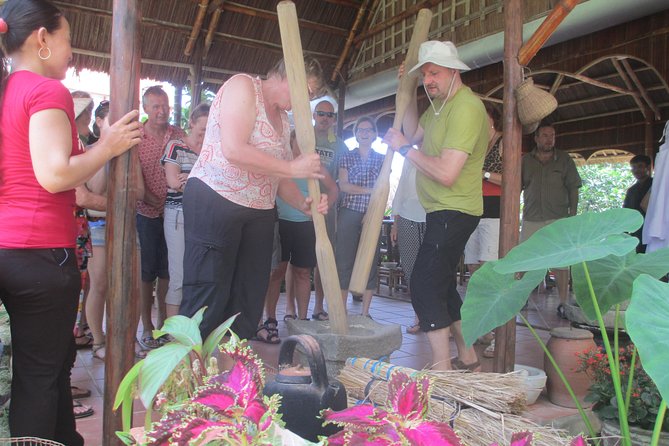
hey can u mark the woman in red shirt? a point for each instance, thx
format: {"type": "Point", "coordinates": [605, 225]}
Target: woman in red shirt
{"type": "Point", "coordinates": [40, 165]}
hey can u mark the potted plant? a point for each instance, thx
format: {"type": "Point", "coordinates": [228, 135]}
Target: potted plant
{"type": "Point", "coordinates": [642, 396]}
{"type": "Point", "coordinates": [605, 272]}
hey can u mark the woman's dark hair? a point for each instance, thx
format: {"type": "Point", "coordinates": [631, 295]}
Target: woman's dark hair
{"type": "Point", "coordinates": [22, 18]}
{"type": "Point", "coordinates": [201, 110]}
{"type": "Point", "coordinates": [100, 112]}
{"type": "Point", "coordinates": [494, 114]}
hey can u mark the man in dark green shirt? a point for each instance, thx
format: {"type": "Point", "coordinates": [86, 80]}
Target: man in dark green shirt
{"type": "Point", "coordinates": [550, 184]}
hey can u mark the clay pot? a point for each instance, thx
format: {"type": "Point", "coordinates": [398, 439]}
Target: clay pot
{"type": "Point", "coordinates": [564, 345]}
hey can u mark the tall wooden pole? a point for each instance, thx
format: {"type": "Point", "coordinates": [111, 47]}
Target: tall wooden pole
{"type": "Point", "coordinates": [177, 104]}
{"type": "Point", "coordinates": [122, 261]}
{"type": "Point", "coordinates": [505, 336]}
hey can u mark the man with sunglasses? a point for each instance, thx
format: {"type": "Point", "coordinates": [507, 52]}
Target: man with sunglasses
{"type": "Point", "coordinates": [330, 148]}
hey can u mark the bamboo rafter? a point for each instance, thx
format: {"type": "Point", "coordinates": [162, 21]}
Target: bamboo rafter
{"type": "Point", "coordinates": [349, 41]}
{"type": "Point", "coordinates": [197, 26]}
{"type": "Point", "coordinates": [271, 15]}
{"type": "Point", "coordinates": [213, 24]}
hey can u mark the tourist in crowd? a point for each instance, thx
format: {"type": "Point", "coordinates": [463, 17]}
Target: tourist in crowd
{"type": "Point", "coordinates": [408, 229]}
{"type": "Point", "coordinates": [97, 264]}
{"type": "Point", "coordinates": [452, 134]}
{"type": "Point", "coordinates": [331, 148]}
{"type": "Point", "coordinates": [41, 165]}
{"type": "Point", "coordinates": [358, 171]}
{"type": "Point", "coordinates": [550, 184]}
{"type": "Point", "coordinates": [178, 160]}
{"type": "Point", "coordinates": [156, 132]}
{"type": "Point", "coordinates": [297, 239]}
{"type": "Point", "coordinates": [230, 196]}
{"type": "Point", "coordinates": [483, 244]}
{"type": "Point", "coordinates": [638, 194]}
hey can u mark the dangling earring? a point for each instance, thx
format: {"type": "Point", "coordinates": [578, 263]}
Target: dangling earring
{"type": "Point", "coordinates": [39, 53]}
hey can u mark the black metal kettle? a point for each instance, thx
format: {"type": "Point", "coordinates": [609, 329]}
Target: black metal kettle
{"type": "Point", "coordinates": [304, 393]}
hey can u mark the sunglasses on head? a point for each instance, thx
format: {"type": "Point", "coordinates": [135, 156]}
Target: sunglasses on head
{"type": "Point", "coordinates": [328, 114]}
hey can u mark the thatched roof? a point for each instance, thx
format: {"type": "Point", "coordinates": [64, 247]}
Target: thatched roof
{"type": "Point", "coordinates": [356, 39]}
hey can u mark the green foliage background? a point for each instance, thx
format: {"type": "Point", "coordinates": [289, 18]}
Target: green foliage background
{"type": "Point", "coordinates": [604, 186]}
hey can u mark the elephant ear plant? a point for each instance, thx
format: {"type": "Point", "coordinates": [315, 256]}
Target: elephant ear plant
{"type": "Point", "coordinates": [605, 272]}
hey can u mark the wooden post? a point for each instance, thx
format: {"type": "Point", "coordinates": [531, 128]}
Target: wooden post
{"type": "Point", "coordinates": [649, 141]}
{"type": "Point", "coordinates": [196, 75]}
{"type": "Point", "coordinates": [505, 336]}
{"type": "Point", "coordinates": [341, 104]}
{"type": "Point", "coordinates": [177, 104]}
{"type": "Point", "coordinates": [122, 260]}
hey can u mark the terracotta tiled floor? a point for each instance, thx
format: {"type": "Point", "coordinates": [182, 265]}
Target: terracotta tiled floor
{"type": "Point", "coordinates": [414, 353]}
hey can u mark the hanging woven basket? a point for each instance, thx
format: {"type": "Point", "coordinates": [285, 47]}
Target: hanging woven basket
{"type": "Point", "coordinates": [533, 103]}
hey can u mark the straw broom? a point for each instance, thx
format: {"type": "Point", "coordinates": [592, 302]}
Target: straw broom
{"type": "Point", "coordinates": [498, 392]}
{"type": "Point", "coordinates": [475, 427]}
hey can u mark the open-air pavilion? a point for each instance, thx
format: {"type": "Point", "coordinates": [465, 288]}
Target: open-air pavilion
{"type": "Point", "coordinates": [606, 63]}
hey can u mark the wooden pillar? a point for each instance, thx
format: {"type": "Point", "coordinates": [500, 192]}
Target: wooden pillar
{"type": "Point", "coordinates": [505, 336]}
{"type": "Point", "coordinates": [177, 104]}
{"type": "Point", "coordinates": [341, 102]}
{"type": "Point", "coordinates": [196, 76]}
{"type": "Point", "coordinates": [122, 261]}
{"type": "Point", "coordinates": [649, 141]}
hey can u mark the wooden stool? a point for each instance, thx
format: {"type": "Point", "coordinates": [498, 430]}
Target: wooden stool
{"type": "Point", "coordinates": [393, 278]}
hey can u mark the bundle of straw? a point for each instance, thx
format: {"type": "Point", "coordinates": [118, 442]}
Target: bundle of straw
{"type": "Point", "coordinates": [494, 391]}
{"type": "Point", "coordinates": [475, 427]}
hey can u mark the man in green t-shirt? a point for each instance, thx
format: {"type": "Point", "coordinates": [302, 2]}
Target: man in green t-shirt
{"type": "Point", "coordinates": [452, 135]}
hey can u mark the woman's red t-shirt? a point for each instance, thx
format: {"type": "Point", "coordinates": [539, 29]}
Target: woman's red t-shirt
{"type": "Point", "coordinates": [31, 217]}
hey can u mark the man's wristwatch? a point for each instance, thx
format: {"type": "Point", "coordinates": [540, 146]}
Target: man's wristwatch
{"type": "Point", "coordinates": [486, 175]}
{"type": "Point", "coordinates": [404, 149]}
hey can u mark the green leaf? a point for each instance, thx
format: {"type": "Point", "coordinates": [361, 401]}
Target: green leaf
{"type": "Point", "coordinates": [493, 299]}
{"type": "Point", "coordinates": [124, 394]}
{"type": "Point", "coordinates": [157, 367]}
{"type": "Point", "coordinates": [612, 278]}
{"type": "Point", "coordinates": [646, 322]}
{"type": "Point", "coordinates": [214, 338]}
{"type": "Point", "coordinates": [183, 329]}
{"type": "Point", "coordinates": [126, 438]}
{"type": "Point", "coordinates": [573, 240]}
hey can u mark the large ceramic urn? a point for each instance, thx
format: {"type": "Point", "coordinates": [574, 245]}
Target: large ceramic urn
{"type": "Point", "coordinates": [564, 345]}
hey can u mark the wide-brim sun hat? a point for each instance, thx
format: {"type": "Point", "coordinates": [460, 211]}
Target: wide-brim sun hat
{"type": "Point", "coordinates": [80, 105]}
{"type": "Point", "coordinates": [439, 53]}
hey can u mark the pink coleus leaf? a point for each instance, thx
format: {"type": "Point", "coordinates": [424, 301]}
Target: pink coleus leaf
{"type": "Point", "coordinates": [255, 410]}
{"type": "Point", "coordinates": [363, 415]}
{"type": "Point", "coordinates": [521, 439]}
{"type": "Point", "coordinates": [188, 432]}
{"type": "Point", "coordinates": [215, 397]}
{"type": "Point", "coordinates": [430, 433]}
{"type": "Point", "coordinates": [161, 431]}
{"type": "Point", "coordinates": [578, 441]}
{"type": "Point", "coordinates": [348, 438]}
{"type": "Point", "coordinates": [409, 396]}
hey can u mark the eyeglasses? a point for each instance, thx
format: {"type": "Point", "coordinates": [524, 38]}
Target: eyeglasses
{"type": "Point", "coordinates": [320, 114]}
{"type": "Point", "coordinates": [365, 130]}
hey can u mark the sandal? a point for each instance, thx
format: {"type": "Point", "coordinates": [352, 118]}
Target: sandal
{"type": "Point", "coordinates": [414, 329]}
{"type": "Point", "coordinates": [95, 351]}
{"type": "Point", "coordinates": [320, 316]}
{"type": "Point", "coordinates": [149, 343]}
{"type": "Point", "coordinates": [271, 324]}
{"type": "Point", "coordinates": [83, 341]}
{"type": "Point", "coordinates": [457, 364]}
{"type": "Point", "coordinates": [78, 392]}
{"type": "Point", "coordinates": [271, 338]}
{"type": "Point", "coordinates": [489, 351]}
{"type": "Point", "coordinates": [81, 410]}
{"type": "Point", "coordinates": [289, 317]}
